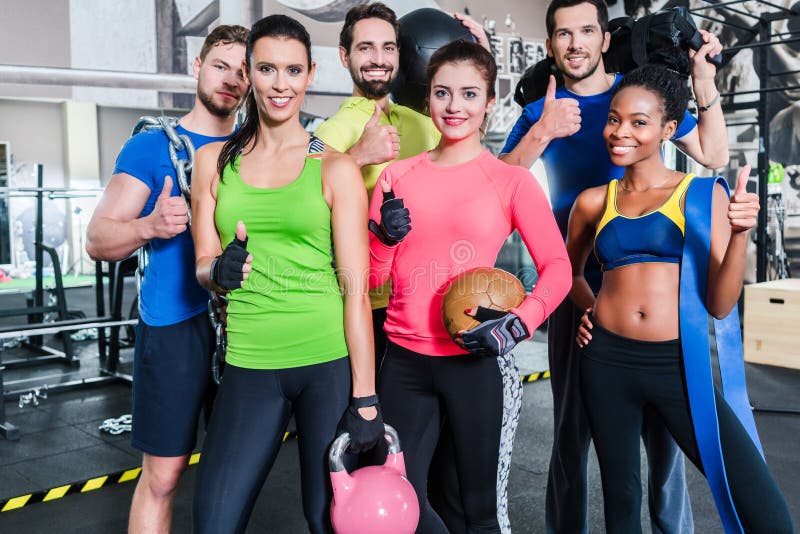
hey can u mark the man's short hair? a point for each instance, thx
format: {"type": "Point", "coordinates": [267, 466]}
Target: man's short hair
{"type": "Point", "coordinates": [550, 17]}
{"type": "Point", "coordinates": [365, 11]}
{"type": "Point", "coordinates": [224, 34]}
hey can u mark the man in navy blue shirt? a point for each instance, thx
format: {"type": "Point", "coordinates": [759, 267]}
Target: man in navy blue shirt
{"type": "Point", "coordinates": [565, 129]}
{"type": "Point", "coordinates": [142, 205]}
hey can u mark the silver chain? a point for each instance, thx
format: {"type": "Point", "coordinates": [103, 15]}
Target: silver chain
{"type": "Point", "coordinates": [116, 426]}
{"type": "Point", "coordinates": [183, 169]}
{"type": "Point", "coordinates": [183, 166]}
{"type": "Point", "coordinates": [177, 142]}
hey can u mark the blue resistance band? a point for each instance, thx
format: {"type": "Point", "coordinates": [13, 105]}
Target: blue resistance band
{"type": "Point", "coordinates": [695, 346]}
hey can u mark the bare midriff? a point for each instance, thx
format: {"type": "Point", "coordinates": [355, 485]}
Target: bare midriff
{"type": "Point", "coordinates": [640, 301]}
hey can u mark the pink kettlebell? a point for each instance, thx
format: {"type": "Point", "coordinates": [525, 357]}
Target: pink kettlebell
{"type": "Point", "coordinates": [377, 499]}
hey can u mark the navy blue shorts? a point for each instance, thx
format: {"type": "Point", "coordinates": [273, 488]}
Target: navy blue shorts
{"type": "Point", "coordinates": [172, 384]}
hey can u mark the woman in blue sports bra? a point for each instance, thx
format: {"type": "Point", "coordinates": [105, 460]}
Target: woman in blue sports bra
{"type": "Point", "coordinates": [634, 334]}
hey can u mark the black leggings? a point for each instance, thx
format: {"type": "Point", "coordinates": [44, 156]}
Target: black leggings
{"type": "Point", "coordinates": [244, 436]}
{"type": "Point", "coordinates": [417, 391]}
{"type": "Point", "coordinates": [622, 377]}
{"type": "Point", "coordinates": [443, 491]}
{"type": "Point", "coordinates": [567, 498]}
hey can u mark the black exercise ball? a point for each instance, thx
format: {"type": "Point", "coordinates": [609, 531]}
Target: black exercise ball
{"type": "Point", "coordinates": [422, 32]}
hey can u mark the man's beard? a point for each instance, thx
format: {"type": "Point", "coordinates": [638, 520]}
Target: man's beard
{"type": "Point", "coordinates": [215, 109]}
{"type": "Point", "coordinates": [373, 89]}
{"type": "Point", "coordinates": [576, 78]}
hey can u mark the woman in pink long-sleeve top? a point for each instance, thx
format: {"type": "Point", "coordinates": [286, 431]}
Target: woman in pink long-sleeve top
{"type": "Point", "coordinates": [440, 214]}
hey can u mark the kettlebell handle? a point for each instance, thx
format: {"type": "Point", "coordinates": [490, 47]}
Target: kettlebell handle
{"type": "Point", "coordinates": [340, 444]}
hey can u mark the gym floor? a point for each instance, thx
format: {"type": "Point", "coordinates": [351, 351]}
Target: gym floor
{"type": "Point", "coordinates": [61, 444]}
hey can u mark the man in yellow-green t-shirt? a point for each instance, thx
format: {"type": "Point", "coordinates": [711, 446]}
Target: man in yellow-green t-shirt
{"type": "Point", "coordinates": [373, 130]}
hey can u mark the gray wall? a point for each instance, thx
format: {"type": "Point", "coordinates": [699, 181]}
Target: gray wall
{"type": "Point", "coordinates": [114, 127]}
{"type": "Point", "coordinates": [35, 32]}
{"type": "Point", "coordinates": [34, 130]}
{"type": "Point", "coordinates": [528, 15]}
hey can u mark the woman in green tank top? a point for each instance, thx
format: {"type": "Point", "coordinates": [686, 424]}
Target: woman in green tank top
{"type": "Point", "coordinates": [266, 206]}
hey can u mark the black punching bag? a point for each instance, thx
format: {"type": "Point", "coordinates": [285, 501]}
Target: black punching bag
{"type": "Point", "coordinates": [422, 32]}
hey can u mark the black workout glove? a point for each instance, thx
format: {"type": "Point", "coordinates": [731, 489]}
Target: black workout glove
{"type": "Point", "coordinates": [226, 269]}
{"type": "Point", "coordinates": [364, 434]}
{"type": "Point", "coordinates": [498, 333]}
{"type": "Point", "coordinates": [395, 220]}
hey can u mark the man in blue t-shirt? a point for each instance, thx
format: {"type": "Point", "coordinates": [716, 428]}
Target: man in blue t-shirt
{"type": "Point", "coordinates": [565, 129]}
{"type": "Point", "coordinates": [142, 205]}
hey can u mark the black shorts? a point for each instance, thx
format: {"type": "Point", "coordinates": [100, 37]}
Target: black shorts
{"type": "Point", "coordinates": [172, 384]}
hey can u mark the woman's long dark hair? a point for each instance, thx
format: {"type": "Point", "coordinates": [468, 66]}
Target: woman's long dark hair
{"type": "Point", "coordinates": [271, 26]}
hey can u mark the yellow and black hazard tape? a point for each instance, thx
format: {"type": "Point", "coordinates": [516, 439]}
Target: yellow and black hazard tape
{"type": "Point", "coordinates": [15, 503]}
{"type": "Point", "coordinates": [533, 377]}
{"type": "Point", "coordinates": [92, 484]}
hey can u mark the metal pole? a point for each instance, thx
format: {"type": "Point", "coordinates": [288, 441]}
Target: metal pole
{"type": "Point", "coordinates": [38, 296]}
{"type": "Point", "coordinates": [175, 83]}
{"type": "Point", "coordinates": [100, 303]}
{"type": "Point", "coordinates": [727, 7]}
{"type": "Point", "coordinates": [66, 326]}
{"type": "Point", "coordinates": [763, 153]}
{"type": "Point", "coordinates": [762, 42]}
{"type": "Point", "coordinates": [7, 430]}
{"type": "Point", "coordinates": [717, 5]}
{"type": "Point", "coordinates": [197, 26]}
{"type": "Point", "coordinates": [63, 190]}
{"type": "Point", "coordinates": [762, 91]}
{"type": "Point", "coordinates": [164, 48]}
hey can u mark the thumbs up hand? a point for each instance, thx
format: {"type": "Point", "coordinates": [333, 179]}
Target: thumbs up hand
{"type": "Point", "coordinates": [395, 220]}
{"type": "Point", "coordinates": [166, 190]}
{"type": "Point", "coordinates": [561, 117]}
{"type": "Point", "coordinates": [377, 144]}
{"type": "Point", "coordinates": [170, 215]}
{"type": "Point", "coordinates": [230, 269]}
{"type": "Point", "coordinates": [744, 206]}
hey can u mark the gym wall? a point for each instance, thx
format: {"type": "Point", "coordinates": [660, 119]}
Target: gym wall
{"type": "Point", "coordinates": [124, 36]}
